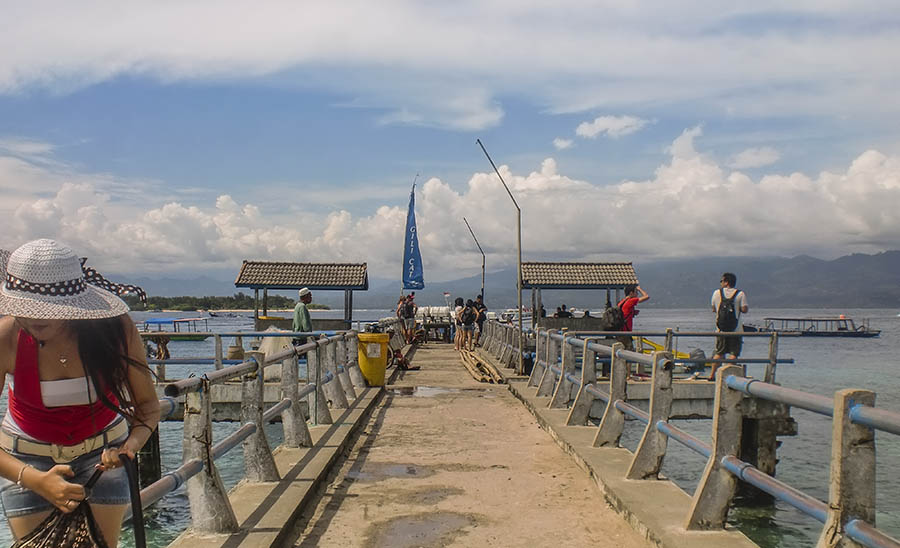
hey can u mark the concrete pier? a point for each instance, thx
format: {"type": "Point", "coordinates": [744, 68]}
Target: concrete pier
{"type": "Point", "coordinates": [447, 461]}
{"type": "Point", "coordinates": [438, 459]}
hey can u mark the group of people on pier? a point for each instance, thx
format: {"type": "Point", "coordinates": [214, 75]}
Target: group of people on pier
{"type": "Point", "coordinates": [468, 320]}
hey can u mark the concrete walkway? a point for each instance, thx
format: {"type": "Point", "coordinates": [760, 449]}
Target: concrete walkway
{"type": "Point", "coordinates": [447, 461]}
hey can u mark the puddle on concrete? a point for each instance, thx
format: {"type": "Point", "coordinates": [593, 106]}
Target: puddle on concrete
{"type": "Point", "coordinates": [430, 497]}
{"type": "Point", "coordinates": [377, 471]}
{"type": "Point", "coordinates": [428, 391]}
{"type": "Point", "coordinates": [431, 529]}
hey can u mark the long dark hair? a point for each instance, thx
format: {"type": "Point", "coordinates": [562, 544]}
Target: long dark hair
{"type": "Point", "coordinates": [103, 349]}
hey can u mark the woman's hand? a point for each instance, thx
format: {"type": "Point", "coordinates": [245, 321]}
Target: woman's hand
{"type": "Point", "coordinates": [61, 493]}
{"type": "Point", "coordinates": [110, 457]}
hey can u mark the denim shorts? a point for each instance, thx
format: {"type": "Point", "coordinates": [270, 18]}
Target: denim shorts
{"type": "Point", "coordinates": [111, 488]}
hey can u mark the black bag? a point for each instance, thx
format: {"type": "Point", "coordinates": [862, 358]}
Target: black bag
{"type": "Point", "coordinates": [726, 315]}
{"type": "Point", "coordinates": [612, 318]}
{"type": "Point", "coordinates": [468, 316]}
{"type": "Point", "coordinates": [78, 528]}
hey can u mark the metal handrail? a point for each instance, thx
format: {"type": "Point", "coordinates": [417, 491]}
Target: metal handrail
{"type": "Point", "coordinates": [176, 478]}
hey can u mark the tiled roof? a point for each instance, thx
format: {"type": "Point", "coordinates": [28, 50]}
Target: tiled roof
{"type": "Point", "coordinates": [577, 275]}
{"type": "Point", "coordinates": [277, 275]}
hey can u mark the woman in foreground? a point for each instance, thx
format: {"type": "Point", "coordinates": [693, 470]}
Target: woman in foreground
{"type": "Point", "coordinates": [80, 391]}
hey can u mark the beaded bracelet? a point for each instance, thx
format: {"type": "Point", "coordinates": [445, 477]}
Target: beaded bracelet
{"type": "Point", "coordinates": [22, 474]}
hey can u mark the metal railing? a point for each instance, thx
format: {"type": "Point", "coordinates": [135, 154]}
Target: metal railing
{"type": "Point", "coordinates": [333, 377]}
{"type": "Point", "coordinates": [848, 516]}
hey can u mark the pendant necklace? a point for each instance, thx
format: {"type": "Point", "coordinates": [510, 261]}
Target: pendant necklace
{"type": "Point", "coordinates": [61, 357]}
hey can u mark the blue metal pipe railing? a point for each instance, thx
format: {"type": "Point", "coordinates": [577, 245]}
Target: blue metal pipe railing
{"type": "Point", "coordinates": [193, 361]}
{"type": "Point", "coordinates": [773, 392]}
{"type": "Point", "coordinates": [867, 535]}
{"type": "Point", "coordinates": [595, 391]}
{"type": "Point", "coordinates": [632, 411]}
{"type": "Point", "coordinates": [684, 438]}
{"type": "Point", "coordinates": [781, 491]}
{"type": "Point", "coordinates": [878, 419]}
{"type": "Point", "coordinates": [178, 388]}
{"type": "Point", "coordinates": [176, 478]}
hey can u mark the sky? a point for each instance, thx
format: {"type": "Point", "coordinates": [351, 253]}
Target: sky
{"type": "Point", "coordinates": [171, 139]}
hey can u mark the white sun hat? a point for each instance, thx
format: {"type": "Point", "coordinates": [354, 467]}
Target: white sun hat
{"type": "Point", "coordinates": [304, 292]}
{"type": "Point", "coordinates": [44, 280]}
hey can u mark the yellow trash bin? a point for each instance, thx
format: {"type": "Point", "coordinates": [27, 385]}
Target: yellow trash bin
{"type": "Point", "coordinates": [373, 353]}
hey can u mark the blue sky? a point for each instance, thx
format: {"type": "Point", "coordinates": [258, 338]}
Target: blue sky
{"type": "Point", "coordinates": [171, 138]}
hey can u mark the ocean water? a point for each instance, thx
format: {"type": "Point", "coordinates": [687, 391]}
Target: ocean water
{"type": "Point", "coordinates": [821, 366]}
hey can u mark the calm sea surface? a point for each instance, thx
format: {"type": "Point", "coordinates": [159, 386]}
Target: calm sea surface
{"type": "Point", "coordinates": [822, 366]}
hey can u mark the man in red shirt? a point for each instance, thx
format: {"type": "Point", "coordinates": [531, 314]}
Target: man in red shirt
{"type": "Point", "coordinates": [628, 305]}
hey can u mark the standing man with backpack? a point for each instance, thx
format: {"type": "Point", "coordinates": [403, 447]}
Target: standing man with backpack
{"type": "Point", "coordinates": [728, 303]}
{"type": "Point", "coordinates": [628, 306]}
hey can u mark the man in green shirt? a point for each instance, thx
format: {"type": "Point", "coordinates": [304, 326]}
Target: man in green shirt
{"type": "Point", "coordinates": [302, 322]}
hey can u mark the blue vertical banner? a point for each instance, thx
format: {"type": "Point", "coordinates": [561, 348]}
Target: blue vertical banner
{"type": "Point", "coordinates": [413, 275]}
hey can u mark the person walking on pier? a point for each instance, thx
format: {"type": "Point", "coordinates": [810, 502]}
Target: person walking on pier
{"type": "Point", "coordinates": [728, 303]}
{"type": "Point", "coordinates": [481, 311]}
{"type": "Point", "coordinates": [302, 321]}
{"type": "Point", "coordinates": [467, 317]}
{"type": "Point", "coordinates": [80, 393]}
{"type": "Point", "coordinates": [459, 306]}
{"type": "Point", "coordinates": [407, 311]}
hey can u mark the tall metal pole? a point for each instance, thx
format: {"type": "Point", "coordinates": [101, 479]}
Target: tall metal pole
{"type": "Point", "coordinates": [520, 369]}
{"type": "Point", "coordinates": [482, 255]}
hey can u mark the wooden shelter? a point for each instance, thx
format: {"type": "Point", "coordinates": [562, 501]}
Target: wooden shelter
{"type": "Point", "coordinates": [266, 275]}
{"type": "Point", "coordinates": [546, 275]}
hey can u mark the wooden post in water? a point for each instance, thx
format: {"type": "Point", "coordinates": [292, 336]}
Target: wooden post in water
{"type": "Point", "coordinates": [773, 357]}
{"type": "Point", "coordinates": [149, 462]}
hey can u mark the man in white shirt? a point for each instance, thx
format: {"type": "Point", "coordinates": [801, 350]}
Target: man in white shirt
{"type": "Point", "coordinates": [728, 303]}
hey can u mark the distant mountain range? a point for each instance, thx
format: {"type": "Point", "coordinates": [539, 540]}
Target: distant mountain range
{"type": "Point", "coordinates": [853, 281]}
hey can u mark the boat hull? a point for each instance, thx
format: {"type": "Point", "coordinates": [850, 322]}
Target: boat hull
{"type": "Point", "coordinates": [793, 332]}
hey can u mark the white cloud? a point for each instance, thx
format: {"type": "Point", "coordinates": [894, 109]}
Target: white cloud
{"type": "Point", "coordinates": [689, 206]}
{"type": "Point", "coordinates": [755, 157]}
{"type": "Point", "coordinates": [612, 126]}
{"type": "Point", "coordinates": [562, 144]}
{"type": "Point", "coordinates": [423, 63]}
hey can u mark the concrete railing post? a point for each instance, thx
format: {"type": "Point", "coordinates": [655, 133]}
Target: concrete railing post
{"type": "Point", "coordinates": [211, 511]}
{"type": "Point", "coordinates": [334, 389]}
{"type": "Point", "coordinates": [296, 431]}
{"type": "Point", "coordinates": [342, 365]}
{"type": "Point", "coordinates": [717, 486]}
{"type": "Point", "coordinates": [259, 464]}
{"type": "Point", "coordinates": [851, 493]}
{"type": "Point", "coordinates": [548, 379]}
{"type": "Point", "coordinates": [584, 400]}
{"type": "Point", "coordinates": [651, 451]}
{"type": "Point", "coordinates": [540, 359]}
{"type": "Point", "coordinates": [563, 389]}
{"type": "Point", "coordinates": [353, 360]}
{"type": "Point", "coordinates": [319, 411]}
{"type": "Point", "coordinates": [613, 422]}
